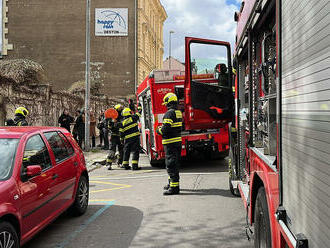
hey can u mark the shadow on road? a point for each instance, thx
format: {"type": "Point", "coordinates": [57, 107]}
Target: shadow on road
{"type": "Point", "coordinates": [114, 227]}
{"type": "Point", "coordinates": [218, 192]}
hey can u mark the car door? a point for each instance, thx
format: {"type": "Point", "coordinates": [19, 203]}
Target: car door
{"type": "Point", "coordinates": [65, 166]}
{"type": "Point", "coordinates": [36, 193]}
{"type": "Point", "coordinates": [209, 99]}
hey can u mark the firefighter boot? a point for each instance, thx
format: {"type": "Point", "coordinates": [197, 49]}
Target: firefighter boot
{"type": "Point", "coordinates": [174, 189]}
{"type": "Point", "coordinates": [109, 163]}
{"type": "Point", "coordinates": [126, 165]}
{"type": "Point", "coordinates": [167, 186]}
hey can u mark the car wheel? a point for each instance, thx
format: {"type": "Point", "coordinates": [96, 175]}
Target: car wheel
{"type": "Point", "coordinates": [262, 238]}
{"type": "Point", "coordinates": [8, 236]}
{"type": "Point", "coordinates": [80, 204]}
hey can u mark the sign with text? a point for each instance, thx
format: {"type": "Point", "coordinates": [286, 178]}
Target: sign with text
{"type": "Point", "coordinates": [111, 22]}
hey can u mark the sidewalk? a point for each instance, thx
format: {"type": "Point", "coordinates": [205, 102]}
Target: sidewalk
{"type": "Point", "coordinates": [95, 159]}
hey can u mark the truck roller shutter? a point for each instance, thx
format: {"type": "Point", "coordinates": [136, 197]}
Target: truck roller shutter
{"type": "Point", "coordinates": [306, 118]}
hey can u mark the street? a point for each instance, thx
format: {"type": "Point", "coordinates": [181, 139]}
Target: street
{"type": "Point", "coordinates": [127, 209]}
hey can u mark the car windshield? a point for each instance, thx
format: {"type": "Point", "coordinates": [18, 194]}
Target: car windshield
{"type": "Point", "coordinates": [7, 156]}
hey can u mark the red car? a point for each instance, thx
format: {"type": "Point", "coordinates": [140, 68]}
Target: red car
{"type": "Point", "coordinates": [42, 174]}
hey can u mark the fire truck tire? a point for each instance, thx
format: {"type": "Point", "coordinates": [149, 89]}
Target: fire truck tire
{"type": "Point", "coordinates": [262, 235]}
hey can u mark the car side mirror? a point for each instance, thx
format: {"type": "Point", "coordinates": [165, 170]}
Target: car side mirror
{"type": "Point", "coordinates": [33, 170]}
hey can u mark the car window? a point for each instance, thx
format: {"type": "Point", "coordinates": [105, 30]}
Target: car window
{"type": "Point", "coordinates": [36, 153]}
{"type": "Point", "coordinates": [58, 146]}
{"type": "Point", "coordinates": [67, 144]}
{"type": "Point", "coordinates": [8, 149]}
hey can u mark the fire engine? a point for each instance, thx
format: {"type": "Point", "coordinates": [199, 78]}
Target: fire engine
{"type": "Point", "coordinates": [205, 99]}
{"type": "Point", "coordinates": [279, 140]}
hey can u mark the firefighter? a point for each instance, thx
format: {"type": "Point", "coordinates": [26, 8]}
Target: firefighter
{"type": "Point", "coordinates": [131, 136]}
{"type": "Point", "coordinates": [20, 115]}
{"type": "Point", "coordinates": [115, 139]}
{"type": "Point", "coordinates": [171, 134]}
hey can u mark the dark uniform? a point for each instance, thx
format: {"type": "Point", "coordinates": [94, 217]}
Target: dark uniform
{"type": "Point", "coordinates": [172, 142]}
{"type": "Point", "coordinates": [115, 141]}
{"type": "Point", "coordinates": [130, 134]}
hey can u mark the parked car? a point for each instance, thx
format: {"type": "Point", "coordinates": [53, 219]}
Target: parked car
{"type": "Point", "coordinates": [42, 174]}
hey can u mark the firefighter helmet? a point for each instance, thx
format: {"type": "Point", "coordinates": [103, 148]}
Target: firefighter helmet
{"type": "Point", "coordinates": [118, 107]}
{"type": "Point", "coordinates": [170, 98]}
{"type": "Point", "coordinates": [126, 112]}
{"type": "Point", "coordinates": [22, 111]}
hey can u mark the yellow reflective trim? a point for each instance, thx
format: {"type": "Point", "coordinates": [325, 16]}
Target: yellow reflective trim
{"type": "Point", "coordinates": [173, 140]}
{"type": "Point", "coordinates": [129, 127]}
{"type": "Point", "coordinates": [127, 121]}
{"type": "Point", "coordinates": [125, 162]}
{"type": "Point", "coordinates": [135, 161]}
{"type": "Point", "coordinates": [160, 130]}
{"type": "Point", "coordinates": [132, 135]}
{"type": "Point", "coordinates": [138, 114]}
{"type": "Point", "coordinates": [109, 160]}
{"type": "Point", "coordinates": [169, 121]}
{"type": "Point", "coordinates": [177, 124]}
{"type": "Point", "coordinates": [174, 184]}
{"type": "Point", "coordinates": [178, 114]}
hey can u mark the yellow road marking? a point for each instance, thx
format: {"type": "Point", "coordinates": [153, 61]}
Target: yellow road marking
{"type": "Point", "coordinates": [122, 174]}
{"type": "Point", "coordinates": [122, 186]}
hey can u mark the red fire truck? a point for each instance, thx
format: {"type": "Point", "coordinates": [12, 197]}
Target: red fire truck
{"type": "Point", "coordinates": [280, 139]}
{"type": "Point", "coordinates": [205, 99]}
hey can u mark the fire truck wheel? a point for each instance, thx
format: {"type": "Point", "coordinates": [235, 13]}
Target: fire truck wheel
{"type": "Point", "coordinates": [262, 238]}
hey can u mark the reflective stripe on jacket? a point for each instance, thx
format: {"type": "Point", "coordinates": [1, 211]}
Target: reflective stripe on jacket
{"type": "Point", "coordinates": [171, 128]}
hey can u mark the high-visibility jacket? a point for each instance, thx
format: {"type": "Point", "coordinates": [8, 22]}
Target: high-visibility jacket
{"type": "Point", "coordinates": [129, 128]}
{"type": "Point", "coordinates": [171, 128]}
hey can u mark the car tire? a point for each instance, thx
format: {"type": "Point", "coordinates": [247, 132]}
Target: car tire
{"type": "Point", "coordinates": [262, 233]}
{"type": "Point", "coordinates": [8, 234]}
{"type": "Point", "coordinates": [80, 204]}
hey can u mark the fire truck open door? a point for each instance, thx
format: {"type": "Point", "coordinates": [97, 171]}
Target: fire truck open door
{"type": "Point", "coordinates": [209, 98]}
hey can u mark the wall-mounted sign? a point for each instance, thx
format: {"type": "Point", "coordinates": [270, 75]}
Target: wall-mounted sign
{"type": "Point", "coordinates": [111, 22]}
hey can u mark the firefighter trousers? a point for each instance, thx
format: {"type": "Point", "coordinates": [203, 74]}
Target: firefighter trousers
{"type": "Point", "coordinates": [132, 145]}
{"type": "Point", "coordinates": [115, 144]}
{"type": "Point", "coordinates": [172, 161]}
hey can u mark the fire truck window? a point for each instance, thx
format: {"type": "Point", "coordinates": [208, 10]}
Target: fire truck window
{"type": "Point", "coordinates": [146, 112]}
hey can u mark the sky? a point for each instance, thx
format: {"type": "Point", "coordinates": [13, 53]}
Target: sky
{"type": "Point", "coordinates": [211, 19]}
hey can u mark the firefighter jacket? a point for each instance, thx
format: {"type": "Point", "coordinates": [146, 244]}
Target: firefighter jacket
{"type": "Point", "coordinates": [171, 128]}
{"type": "Point", "coordinates": [129, 128]}
{"type": "Point", "coordinates": [114, 127]}
{"type": "Point", "coordinates": [20, 120]}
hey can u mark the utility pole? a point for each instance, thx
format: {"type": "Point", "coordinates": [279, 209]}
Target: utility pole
{"type": "Point", "coordinates": [170, 48]}
{"type": "Point", "coordinates": [87, 75]}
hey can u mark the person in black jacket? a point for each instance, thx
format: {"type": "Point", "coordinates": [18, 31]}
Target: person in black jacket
{"type": "Point", "coordinates": [80, 126]}
{"type": "Point", "coordinates": [129, 132]}
{"type": "Point", "coordinates": [65, 120]}
{"type": "Point", "coordinates": [20, 115]}
{"type": "Point", "coordinates": [115, 141]}
{"type": "Point", "coordinates": [171, 139]}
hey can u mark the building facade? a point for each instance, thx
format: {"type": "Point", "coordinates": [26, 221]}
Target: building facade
{"type": "Point", "coordinates": [151, 18]}
{"type": "Point", "coordinates": [52, 33]}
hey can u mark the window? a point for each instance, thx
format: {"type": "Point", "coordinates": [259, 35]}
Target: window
{"type": "Point", "coordinates": [36, 153]}
{"type": "Point", "coordinates": [58, 146]}
{"type": "Point", "coordinates": [67, 144]}
{"type": "Point", "coordinates": [7, 156]}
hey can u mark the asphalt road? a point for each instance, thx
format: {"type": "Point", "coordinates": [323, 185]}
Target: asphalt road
{"type": "Point", "coordinates": [127, 209]}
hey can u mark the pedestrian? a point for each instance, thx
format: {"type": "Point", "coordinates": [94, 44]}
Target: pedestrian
{"type": "Point", "coordinates": [65, 120]}
{"type": "Point", "coordinates": [75, 127]}
{"type": "Point", "coordinates": [171, 140]}
{"type": "Point", "coordinates": [100, 126]}
{"type": "Point", "coordinates": [115, 142]}
{"type": "Point", "coordinates": [105, 134]}
{"type": "Point", "coordinates": [20, 116]}
{"type": "Point", "coordinates": [130, 134]}
{"type": "Point", "coordinates": [80, 123]}
{"type": "Point", "coordinates": [92, 126]}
